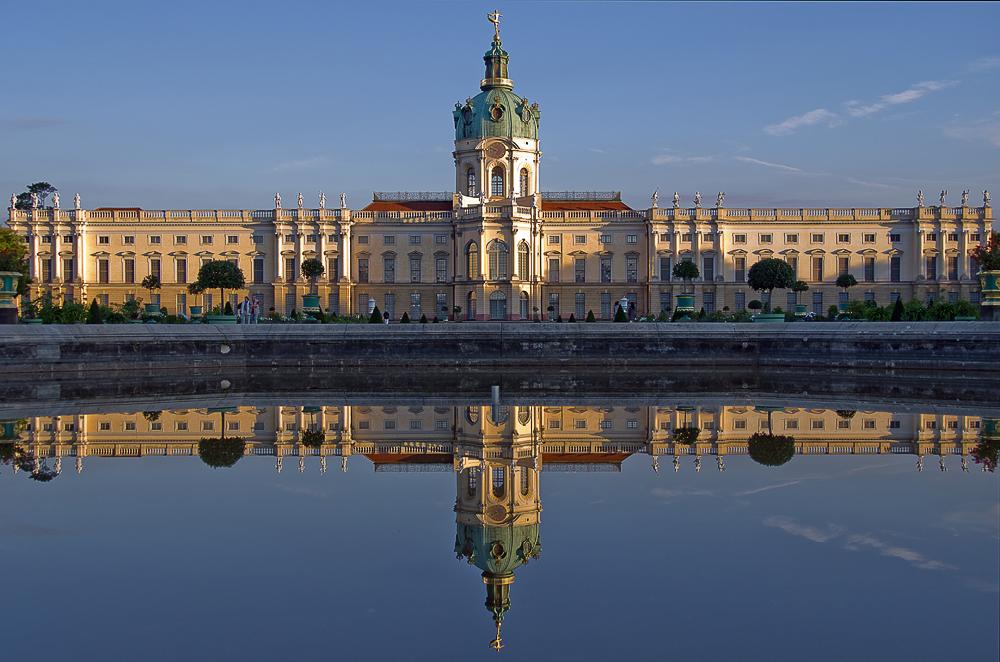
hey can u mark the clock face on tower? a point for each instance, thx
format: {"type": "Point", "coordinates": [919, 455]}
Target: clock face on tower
{"type": "Point", "coordinates": [496, 150]}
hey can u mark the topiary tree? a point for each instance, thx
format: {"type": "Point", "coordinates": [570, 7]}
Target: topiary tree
{"type": "Point", "coordinates": [755, 305]}
{"type": "Point", "coordinates": [312, 269]}
{"type": "Point", "coordinates": [423, 318]}
{"type": "Point", "coordinates": [771, 450]}
{"type": "Point", "coordinates": [621, 315]}
{"type": "Point", "coordinates": [572, 317]}
{"type": "Point", "coordinates": [687, 271]}
{"type": "Point", "coordinates": [221, 452]}
{"type": "Point", "coordinates": [221, 275]}
{"type": "Point", "coordinates": [151, 282]}
{"type": "Point", "coordinates": [94, 316]}
{"type": "Point", "coordinates": [405, 319]}
{"type": "Point", "coordinates": [770, 274]}
{"type": "Point", "coordinates": [590, 316]}
{"type": "Point", "coordinates": [799, 286]}
{"type": "Point", "coordinates": [846, 281]}
{"type": "Point", "coordinates": [376, 317]}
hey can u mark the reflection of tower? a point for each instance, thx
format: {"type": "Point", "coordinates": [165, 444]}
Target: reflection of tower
{"type": "Point", "coordinates": [497, 506]}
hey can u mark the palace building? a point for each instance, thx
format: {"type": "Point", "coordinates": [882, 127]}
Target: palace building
{"type": "Point", "coordinates": [501, 248]}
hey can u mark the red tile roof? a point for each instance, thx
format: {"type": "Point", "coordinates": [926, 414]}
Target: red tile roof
{"type": "Point", "coordinates": [408, 206]}
{"type": "Point", "coordinates": [584, 205]}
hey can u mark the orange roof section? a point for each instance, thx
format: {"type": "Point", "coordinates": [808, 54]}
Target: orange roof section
{"type": "Point", "coordinates": [584, 205]}
{"type": "Point", "coordinates": [409, 206]}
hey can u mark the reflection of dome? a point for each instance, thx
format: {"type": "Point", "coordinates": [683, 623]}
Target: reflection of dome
{"type": "Point", "coordinates": [496, 111]}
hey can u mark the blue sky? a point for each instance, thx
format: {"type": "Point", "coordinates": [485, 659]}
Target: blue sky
{"type": "Point", "coordinates": [219, 105]}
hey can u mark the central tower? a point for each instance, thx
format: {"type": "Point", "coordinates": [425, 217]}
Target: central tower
{"type": "Point", "coordinates": [496, 137]}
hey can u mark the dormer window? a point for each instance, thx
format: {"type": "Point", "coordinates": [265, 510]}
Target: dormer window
{"type": "Point", "coordinates": [470, 186]}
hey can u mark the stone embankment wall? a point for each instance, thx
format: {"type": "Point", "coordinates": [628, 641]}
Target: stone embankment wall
{"type": "Point", "coordinates": [48, 351]}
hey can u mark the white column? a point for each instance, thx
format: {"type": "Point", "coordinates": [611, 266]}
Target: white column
{"type": "Point", "coordinates": [279, 265]}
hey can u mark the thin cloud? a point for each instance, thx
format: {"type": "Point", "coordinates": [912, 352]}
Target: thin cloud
{"type": "Point", "coordinates": [304, 163]}
{"type": "Point", "coordinates": [808, 532]}
{"type": "Point", "coordinates": [985, 130]}
{"type": "Point", "coordinates": [983, 63]}
{"type": "Point", "coordinates": [769, 487]}
{"type": "Point", "coordinates": [871, 184]}
{"type": "Point", "coordinates": [660, 492]}
{"type": "Point", "coordinates": [594, 149]}
{"type": "Point", "coordinates": [663, 159]}
{"type": "Point", "coordinates": [33, 123]}
{"type": "Point", "coordinates": [812, 117]}
{"type": "Point", "coordinates": [856, 109]}
{"type": "Point", "coordinates": [747, 159]}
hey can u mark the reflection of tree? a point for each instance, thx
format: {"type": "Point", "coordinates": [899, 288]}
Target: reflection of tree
{"type": "Point", "coordinates": [846, 414]}
{"type": "Point", "coordinates": [220, 452]}
{"type": "Point", "coordinates": [771, 450]}
{"type": "Point", "coordinates": [987, 453]}
{"type": "Point", "coordinates": [312, 438]}
{"type": "Point", "coordinates": [14, 454]}
{"type": "Point", "coordinates": [686, 435]}
{"type": "Point", "coordinates": [151, 415]}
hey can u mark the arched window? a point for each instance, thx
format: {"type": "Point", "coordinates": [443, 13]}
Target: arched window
{"type": "Point", "coordinates": [499, 486]}
{"type": "Point", "coordinates": [472, 253]}
{"type": "Point", "coordinates": [523, 415]}
{"type": "Point", "coordinates": [525, 485]}
{"type": "Point", "coordinates": [524, 305]}
{"type": "Point", "coordinates": [498, 306]}
{"type": "Point", "coordinates": [499, 414]}
{"type": "Point", "coordinates": [472, 306]}
{"type": "Point", "coordinates": [472, 482]}
{"type": "Point", "coordinates": [470, 181]}
{"type": "Point", "coordinates": [472, 414]}
{"type": "Point", "coordinates": [498, 260]}
{"type": "Point", "coordinates": [522, 260]}
{"type": "Point", "coordinates": [497, 182]}
{"type": "Point", "coordinates": [524, 182]}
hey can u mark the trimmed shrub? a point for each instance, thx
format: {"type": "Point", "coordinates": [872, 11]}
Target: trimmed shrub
{"type": "Point", "coordinates": [405, 319]}
{"type": "Point", "coordinates": [590, 316]}
{"type": "Point", "coordinates": [423, 319]}
{"type": "Point", "coordinates": [771, 450]}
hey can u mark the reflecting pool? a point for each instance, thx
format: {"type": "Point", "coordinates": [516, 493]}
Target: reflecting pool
{"type": "Point", "coordinates": [418, 529]}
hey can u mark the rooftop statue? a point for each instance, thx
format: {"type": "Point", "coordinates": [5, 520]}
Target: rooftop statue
{"type": "Point", "coordinates": [13, 201]}
{"type": "Point", "coordinates": [965, 198]}
{"type": "Point", "coordinates": [677, 200]}
{"type": "Point", "coordinates": [697, 199]}
{"type": "Point", "coordinates": [986, 198]}
{"type": "Point", "coordinates": [656, 196]}
{"type": "Point", "coordinates": [34, 201]}
{"type": "Point", "coordinates": [76, 201]}
{"type": "Point", "coordinates": [55, 200]}
{"type": "Point", "coordinates": [920, 198]}
{"type": "Point", "coordinates": [322, 200]}
{"type": "Point", "coordinates": [718, 202]}
{"type": "Point", "coordinates": [343, 201]}
{"type": "Point", "coordinates": [300, 201]}
{"type": "Point", "coordinates": [277, 201]}
{"type": "Point", "coordinates": [943, 193]}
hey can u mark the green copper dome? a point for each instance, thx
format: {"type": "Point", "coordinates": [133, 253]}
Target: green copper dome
{"type": "Point", "coordinates": [498, 549]}
{"type": "Point", "coordinates": [496, 112]}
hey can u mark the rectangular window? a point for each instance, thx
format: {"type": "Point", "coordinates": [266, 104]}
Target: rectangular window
{"type": "Point", "coordinates": [68, 274]}
{"type": "Point", "coordinates": [441, 239]}
{"type": "Point", "coordinates": [581, 306]}
{"type": "Point", "coordinates": [869, 263]}
{"type": "Point", "coordinates": [156, 426]}
{"type": "Point", "coordinates": [102, 271]}
{"type": "Point", "coordinates": [441, 270]}
{"type": "Point", "coordinates": [793, 262]}
{"type": "Point", "coordinates": [389, 270]}
{"type": "Point", "coordinates": [441, 425]}
{"type": "Point", "coordinates": [931, 262]}
{"type": "Point", "coordinates": [554, 270]}
{"type": "Point", "coordinates": [605, 425]}
{"type": "Point", "coordinates": [791, 424]}
{"type": "Point", "coordinates": [364, 425]}
{"type": "Point", "coordinates": [579, 239]}
{"type": "Point", "coordinates": [631, 238]}
{"type": "Point", "coordinates": [894, 425]}
{"type": "Point", "coordinates": [870, 296]}
{"type": "Point", "coordinates": [442, 304]}
{"type": "Point", "coordinates": [739, 269]}
{"type": "Point", "coordinates": [817, 424]}
{"type": "Point", "coordinates": [816, 238]}
{"type": "Point", "coordinates": [416, 425]}
{"type": "Point", "coordinates": [129, 271]}
{"type": "Point", "coordinates": [389, 239]}
{"type": "Point", "coordinates": [974, 236]}
{"type": "Point", "coordinates": [414, 306]}
{"type": "Point", "coordinates": [554, 304]}
{"type": "Point", "coordinates": [843, 266]}
{"type": "Point", "coordinates": [333, 269]}
{"type": "Point", "coordinates": [206, 302]}
{"type": "Point", "coordinates": [289, 268]}
{"type": "Point", "coordinates": [362, 239]}
{"type": "Point", "coordinates": [952, 267]}
{"type": "Point", "coordinates": [843, 238]}
{"type": "Point", "coordinates": [665, 269]}
{"type": "Point", "coordinates": [363, 270]}
{"type": "Point", "coordinates": [631, 269]}
{"type": "Point", "coordinates": [182, 268]}
{"type": "Point", "coordinates": [632, 425]}
{"type": "Point", "coordinates": [128, 240]}
{"type": "Point", "coordinates": [105, 426]}
{"type": "Point", "coordinates": [390, 305]}
{"type": "Point", "coordinates": [414, 240]}
{"type": "Point", "coordinates": [103, 239]}
{"type": "Point", "coordinates": [708, 301]}
{"type": "Point", "coordinates": [893, 297]}
{"type": "Point", "coordinates": [605, 269]}
{"type": "Point", "coordinates": [154, 240]}
{"type": "Point", "coordinates": [207, 425]}
{"type": "Point", "coordinates": [932, 237]}
{"type": "Point", "coordinates": [180, 240]}
{"type": "Point", "coordinates": [182, 304]}
{"type": "Point", "coordinates": [579, 424]}
{"type": "Point", "coordinates": [818, 303]}
{"type": "Point", "coordinates": [974, 297]}
{"type": "Point", "coordinates": [765, 238]}
{"type": "Point", "coordinates": [739, 238]}
{"type": "Point", "coordinates": [206, 240]}
{"type": "Point", "coordinates": [791, 238]}
{"type": "Point", "coordinates": [414, 269]}
{"type": "Point", "coordinates": [258, 270]}
{"type": "Point", "coordinates": [553, 239]}
{"type": "Point", "coordinates": [868, 238]}
{"type": "Point", "coordinates": [687, 237]}
{"type": "Point", "coordinates": [388, 425]}
{"type": "Point", "coordinates": [894, 238]}
{"type": "Point", "coordinates": [708, 269]}
{"type": "Point", "coordinates": [740, 301]}
{"type": "Point", "coordinates": [894, 267]}
{"type": "Point", "coordinates": [256, 239]}
{"type": "Point", "coordinates": [580, 272]}
{"type": "Point", "coordinates": [817, 270]}
{"type": "Point", "coordinates": [233, 426]}
{"type": "Point", "coordinates": [605, 305]}
{"type": "Point", "coordinates": [181, 426]}
{"type": "Point", "coordinates": [740, 424]}
{"type": "Point", "coordinates": [554, 424]}
{"type": "Point", "coordinates": [605, 239]}
{"type": "Point", "coordinates": [232, 239]}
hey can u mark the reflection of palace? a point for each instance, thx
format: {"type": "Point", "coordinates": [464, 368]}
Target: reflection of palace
{"type": "Point", "coordinates": [496, 452]}
{"type": "Point", "coordinates": [499, 247]}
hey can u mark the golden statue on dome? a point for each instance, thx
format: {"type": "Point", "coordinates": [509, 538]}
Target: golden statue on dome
{"type": "Point", "coordinates": [494, 18]}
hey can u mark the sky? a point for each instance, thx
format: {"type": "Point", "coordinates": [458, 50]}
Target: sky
{"type": "Point", "coordinates": [218, 105]}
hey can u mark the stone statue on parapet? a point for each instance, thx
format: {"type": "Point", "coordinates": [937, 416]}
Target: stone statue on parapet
{"type": "Point", "coordinates": [343, 201]}
{"type": "Point", "coordinates": [697, 199]}
{"type": "Point", "coordinates": [76, 201]}
{"type": "Point", "coordinates": [718, 202]}
{"type": "Point", "coordinates": [322, 200]}
{"type": "Point", "coordinates": [277, 201]}
{"type": "Point", "coordinates": [34, 201]}
{"type": "Point", "coordinates": [965, 198]}
{"type": "Point", "coordinates": [943, 193]}
{"type": "Point", "coordinates": [13, 201]}
{"type": "Point", "coordinates": [656, 196]}
{"type": "Point", "coordinates": [920, 198]}
{"type": "Point", "coordinates": [300, 201]}
{"type": "Point", "coordinates": [55, 200]}
{"type": "Point", "coordinates": [677, 200]}
{"type": "Point", "coordinates": [986, 198]}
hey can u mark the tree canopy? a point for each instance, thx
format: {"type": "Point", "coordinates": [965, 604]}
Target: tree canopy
{"type": "Point", "coordinates": [771, 450]}
{"type": "Point", "coordinates": [770, 274]}
{"type": "Point", "coordinates": [988, 256]}
{"type": "Point", "coordinates": [40, 189]}
{"type": "Point", "coordinates": [150, 282]}
{"type": "Point", "coordinates": [687, 270]}
{"type": "Point", "coordinates": [846, 281]}
{"type": "Point", "coordinates": [14, 257]}
{"type": "Point", "coordinates": [220, 275]}
{"type": "Point", "coordinates": [312, 268]}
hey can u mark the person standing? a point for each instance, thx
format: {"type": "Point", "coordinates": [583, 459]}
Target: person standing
{"type": "Point", "coordinates": [254, 310]}
{"type": "Point", "coordinates": [385, 316]}
{"type": "Point", "coordinates": [245, 310]}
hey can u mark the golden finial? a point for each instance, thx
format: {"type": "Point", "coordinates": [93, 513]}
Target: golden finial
{"type": "Point", "coordinates": [495, 644]}
{"type": "Point", "coordinates": [494, 18]}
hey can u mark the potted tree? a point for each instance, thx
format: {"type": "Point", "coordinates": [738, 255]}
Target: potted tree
{"type": "Point", "coordinates": [222, 452]}
{"type": "Point", "coordinates": [797, 287]}
{"type": "Point", "coordinates": [767, 448]}
{"type": "Point", "coordinates": [311, 269]}
{"type": "Point", "coordinates": [221, 275]}
{"type": "Point", "coordinates": [846, 281]}
{"type": "Point", "coordinates": [13, 273]}
{"type": "Point", "coordinates": [195, 290]}
{"type": "Point", "coordinates": [151, 283]}
{"type": "Point", "coordinates": [766, 276]}
{"type": "Point", "coordinates": [687, 271]}
{"type": "Point", "coordinates": [988, 260]}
